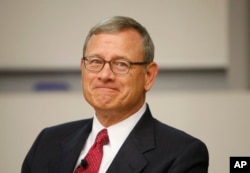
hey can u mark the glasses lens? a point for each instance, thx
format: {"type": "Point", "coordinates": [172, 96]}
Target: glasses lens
{"type": "Point", "coordinates": [94, 63]}
{"type": "Point", "coordinates": [120, 66]}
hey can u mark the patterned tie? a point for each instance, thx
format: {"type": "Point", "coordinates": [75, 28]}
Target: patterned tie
{"type": "Point", "coordinates": [91, 162]}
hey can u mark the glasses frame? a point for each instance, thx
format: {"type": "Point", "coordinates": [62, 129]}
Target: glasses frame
{"type": "Point", "coordinates": [85, 58]}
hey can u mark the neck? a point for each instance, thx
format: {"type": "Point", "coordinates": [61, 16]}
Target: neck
{"type": "Point", "coordinates": [109, 117]}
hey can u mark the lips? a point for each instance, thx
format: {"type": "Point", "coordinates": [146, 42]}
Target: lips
{"type": "Point", "coordinates": [105, 88]}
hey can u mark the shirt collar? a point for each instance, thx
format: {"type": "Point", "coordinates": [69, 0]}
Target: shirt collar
{"type": "Point", "coordinates": [118, 132]}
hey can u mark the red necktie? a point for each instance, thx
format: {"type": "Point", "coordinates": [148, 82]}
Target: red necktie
{"type": "Point", "coordinates": [91, 162]}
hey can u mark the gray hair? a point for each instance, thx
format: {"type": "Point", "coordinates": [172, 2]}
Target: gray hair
{"type": "Point", "coordinates": [121, 23]}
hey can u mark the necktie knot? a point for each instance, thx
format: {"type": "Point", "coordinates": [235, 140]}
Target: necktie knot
{"type": "Point", "coordinates": [102, 137]}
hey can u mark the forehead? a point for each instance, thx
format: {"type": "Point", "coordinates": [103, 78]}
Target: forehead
{"type": "Point", "coordinates": [124, 42]}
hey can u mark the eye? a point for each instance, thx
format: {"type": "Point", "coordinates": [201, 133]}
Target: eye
{"type": "Point", "coordinates": [121, 64]}
{"type": "Point", "coordinates": [95, 61]}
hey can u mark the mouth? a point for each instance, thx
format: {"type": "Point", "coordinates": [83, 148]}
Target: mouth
{"type": "Point", "coordinates": [105, 89]}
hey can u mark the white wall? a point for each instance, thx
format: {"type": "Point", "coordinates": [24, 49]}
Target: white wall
{"type": "Point", "coordinates": [49, 34]}
{"type": "Point", "coordinates": [220, 119]}
{"type": "Point", "coordinates": [239, 45]}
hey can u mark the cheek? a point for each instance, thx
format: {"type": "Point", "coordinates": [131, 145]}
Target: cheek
{"type": "Point", "coordinates": [136, 86]}
{"type": "Point", "coordinates": [86, 81]}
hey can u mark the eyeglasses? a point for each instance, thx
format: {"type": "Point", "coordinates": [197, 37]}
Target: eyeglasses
{"type": "Point", "coordinates": [118, 66]}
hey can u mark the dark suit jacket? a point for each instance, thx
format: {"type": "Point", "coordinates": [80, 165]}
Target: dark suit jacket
{"type": "Point", "coordinates": [151, 147]}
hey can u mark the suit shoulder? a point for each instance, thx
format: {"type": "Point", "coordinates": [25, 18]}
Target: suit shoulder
{"type": "Point", "coordinates": [70, 125]}
{"type": "Point", "coordinates": [65, 129]}
{"type": "Point", "coordinates": [166, 132]}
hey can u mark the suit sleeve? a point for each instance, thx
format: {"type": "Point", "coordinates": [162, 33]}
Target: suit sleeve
{"type": "Point", "coordinates": [194, 159]}
{"type": "Point", "coordinates": [27, 163]}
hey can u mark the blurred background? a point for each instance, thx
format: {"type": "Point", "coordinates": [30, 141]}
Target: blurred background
{"type": "Point", "coordinates": [202, 48]}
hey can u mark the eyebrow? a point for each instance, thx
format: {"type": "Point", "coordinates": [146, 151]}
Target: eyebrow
{"type": "Point", "coordinates": [113, 57]}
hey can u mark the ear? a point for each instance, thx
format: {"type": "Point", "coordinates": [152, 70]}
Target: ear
{"type": "Point", "coordinates": [150, 75]}
{"type": "Point", "coordinates": [81, 65]}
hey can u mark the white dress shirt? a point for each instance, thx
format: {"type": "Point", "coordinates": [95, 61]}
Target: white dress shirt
{"type": "Point", "coordinates": [117, 135]}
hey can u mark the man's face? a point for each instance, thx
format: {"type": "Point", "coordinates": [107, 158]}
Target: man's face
{"type": "Point", "coordinates": [111, 93]}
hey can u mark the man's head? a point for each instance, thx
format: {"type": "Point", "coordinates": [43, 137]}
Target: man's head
{"type": "Point", "coordinates": [118, 24]}
{"type": "Point", "coordinates": [117, 68]}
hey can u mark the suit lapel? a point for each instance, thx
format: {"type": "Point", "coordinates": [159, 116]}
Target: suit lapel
{"type": "Point", "coordinates": [71, 148]}
{"type": "Point", "coordinates": [130, 157]}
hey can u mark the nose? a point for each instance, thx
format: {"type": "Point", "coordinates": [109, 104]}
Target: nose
{"type": "Point", "coordinates": [106, 72]}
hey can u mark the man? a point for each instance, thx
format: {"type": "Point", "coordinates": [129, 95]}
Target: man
{"type": "Point", "coordinates": [117, 71]}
